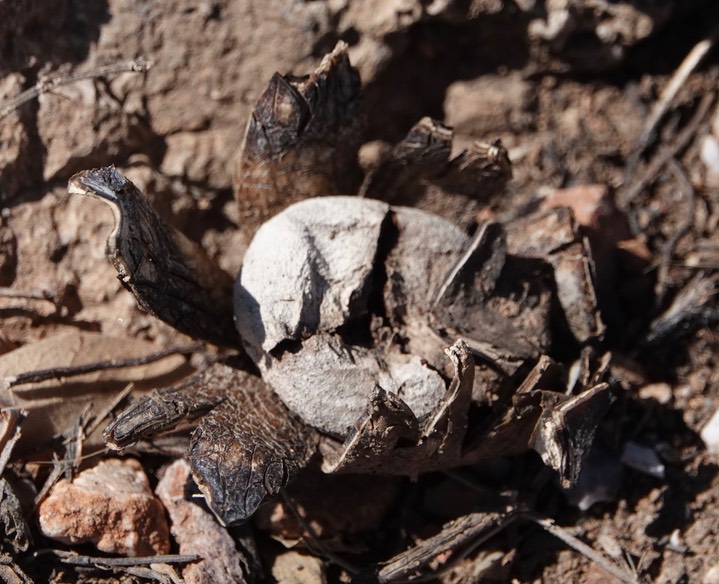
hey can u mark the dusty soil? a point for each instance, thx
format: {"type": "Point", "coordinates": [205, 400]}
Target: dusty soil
{"type": "Point", "coordinates": [568, 86]}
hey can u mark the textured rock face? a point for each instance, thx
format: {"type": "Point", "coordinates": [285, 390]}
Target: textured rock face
{"type": "Point", "coordinates": [112, 507]}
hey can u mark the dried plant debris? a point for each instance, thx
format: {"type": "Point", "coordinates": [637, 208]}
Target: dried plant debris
{"type": "Point", "coordinates": [301, 140]}
{"type": "Point", "coordinates": [171, 276]}
{"type": "Point", "coordinates": [247, 447]}
{"type": "Point", "coordinates": [56, 404]}
{"type": "Point", "coordinates": [381, 327]}
{"type": "Point", "coordinates": [420, 172]}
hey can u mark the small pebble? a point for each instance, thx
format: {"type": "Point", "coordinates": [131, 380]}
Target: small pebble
{"type": "Point", "coordinates": [643, 459]}
{"type": "Point", "coordinates": [710, 433]}
{"type": "Point", "coordinates": [109, 505]}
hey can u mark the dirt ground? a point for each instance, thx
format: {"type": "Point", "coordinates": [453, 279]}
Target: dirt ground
{"type": "Point", "coordinates": [568, 86]}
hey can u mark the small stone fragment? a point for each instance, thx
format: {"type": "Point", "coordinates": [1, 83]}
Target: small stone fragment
{"type": "Point", "coordinates": [296, 568]}
{"type": "Point", "coordinates": [712, 575]}
{"type": "Point", "coordinates": [112, 507]}
{"type": "Point", "coordinates": [643, 459]}
{"type": "Point", "coordinates": [710, 433]}
{"type": "Point", "coordinates": [197, 532]}
{"type": "Point", "coordinates": [661, 392]}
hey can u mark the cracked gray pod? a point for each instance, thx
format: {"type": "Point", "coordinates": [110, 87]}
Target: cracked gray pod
{"type": "Point", "coordinates": [317, 283]}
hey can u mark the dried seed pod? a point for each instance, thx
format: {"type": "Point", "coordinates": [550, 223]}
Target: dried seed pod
{"type": "Point", "coordinates": [377, 329]}
{"type": "Point", "coordinates": [309, 290]}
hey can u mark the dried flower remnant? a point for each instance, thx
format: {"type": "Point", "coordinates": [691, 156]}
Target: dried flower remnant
{"type": "Point", "coordinates": [347, 306]}
{"type": "Point", "coordinates": [379, 331]}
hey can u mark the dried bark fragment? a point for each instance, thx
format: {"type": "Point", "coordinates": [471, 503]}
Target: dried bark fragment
{"type": "Point", "coordinates": [301, 140]}
{"type": "Point", "coordinates": [553, 237]}
{"type": "Point", "coordinates": [170, 276]}
{"type": "Point", "coordinates": [198, 533]}
{"type": "Point", "coordinates": [565, 431]}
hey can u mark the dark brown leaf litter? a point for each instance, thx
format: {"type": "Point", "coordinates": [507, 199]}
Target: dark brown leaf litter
{"type": "Point", "coordinates": [428, 324]}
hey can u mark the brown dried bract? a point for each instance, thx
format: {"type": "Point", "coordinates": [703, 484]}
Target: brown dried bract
{"type": "Point", "coordinates": [170, 276]}
{"type": "Point", "coordinates": [301, 140]}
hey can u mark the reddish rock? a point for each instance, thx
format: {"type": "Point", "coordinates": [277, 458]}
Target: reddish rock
{"type": "Point", "coordinates": [111, 506]}
{"type": "Point", "coordinates": [590, 203]}
{"type": "Point", "coordinates": [198, 533]}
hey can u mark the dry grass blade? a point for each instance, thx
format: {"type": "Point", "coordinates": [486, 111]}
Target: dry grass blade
{"type": "Point", "coordinates": [689, 64]}
{"type": "Point", "coordinates": [590, 553]}
{"type": "Point", "coordinates": [666, 153]}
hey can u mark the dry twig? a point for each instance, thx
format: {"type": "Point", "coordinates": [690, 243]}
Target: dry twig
{"type": "Point", "coordinates": [54, 81]}
{"type": "Point", "coordinates": [95, 561]}
{"type": "Point", "coordinates": [58, 372]}
{"type": "Point", "coordinates": [690, 62]}
{"type": "Point", "coordinates": [14, 418]}
{"type": "Point", "coordinates": [668, 152]}
{"type": "Point", "coordinates": [587, 551]}
{"type": "Point", "coordinates": [688, 195]}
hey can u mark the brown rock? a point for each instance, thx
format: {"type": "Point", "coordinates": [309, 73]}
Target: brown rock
{"type": "Point", "coordinates": [111, 506]}
{"type": "Point", "coordinates": [295, 568]}
{"type": "Point", "coordinates": [197, 532]}
{"type": "Point", "coordinates": [489, 105]}
{"type": "Point", "coordinates": [102, 129]}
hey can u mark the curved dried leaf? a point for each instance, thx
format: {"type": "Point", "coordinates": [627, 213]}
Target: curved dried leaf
{"type": "Point", "coordinates": [170, 276]}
